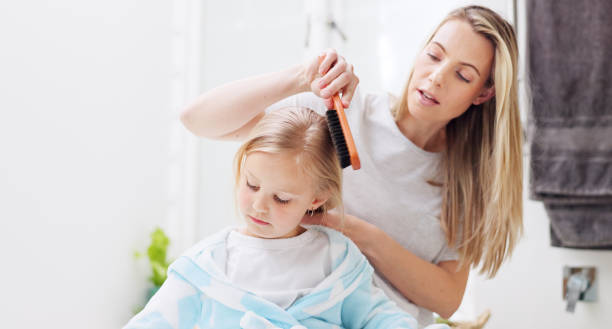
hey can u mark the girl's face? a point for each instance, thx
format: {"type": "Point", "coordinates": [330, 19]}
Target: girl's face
{"type": "Point", "coordinates": [450, 74]}
{"type": "Point", "coordinates": [273, 195]}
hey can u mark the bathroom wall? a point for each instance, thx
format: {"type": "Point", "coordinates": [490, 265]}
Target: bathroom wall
{"type": "Point", "coordinates": [85, 116]}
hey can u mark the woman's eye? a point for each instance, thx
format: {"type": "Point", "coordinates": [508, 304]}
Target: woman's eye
{"type": "Point", "coordinates": [279, 200]}
{"type": "Point", "coordinates": [433, 57]}
{"type": "Point", "coordinates": [252, 187]}
{"type": "Point", "coordinates": [462, 77]}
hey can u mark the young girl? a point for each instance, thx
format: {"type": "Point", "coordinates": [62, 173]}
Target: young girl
{"type": "Point", "coordinates": [273, 272]}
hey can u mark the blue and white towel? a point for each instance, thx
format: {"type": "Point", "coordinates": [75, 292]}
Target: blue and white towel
{"type": "Point", "coordinates": [197, 294]}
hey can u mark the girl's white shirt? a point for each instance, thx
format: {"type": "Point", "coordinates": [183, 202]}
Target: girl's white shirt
{"type": "Point", "coordinates": [279, 270]}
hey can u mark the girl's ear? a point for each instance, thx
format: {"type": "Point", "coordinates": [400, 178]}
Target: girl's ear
{"type": "Point", "coordinates": [319, 200]}
{"type": "Point", "coordinates": [486, 94]}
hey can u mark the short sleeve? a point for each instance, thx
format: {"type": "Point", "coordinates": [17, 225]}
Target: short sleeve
{"type": "Point", "coordinates": [447, 253]}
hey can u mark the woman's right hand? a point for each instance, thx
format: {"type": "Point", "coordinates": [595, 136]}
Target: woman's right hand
{"type": "Point", "coordinates": [328, 74]}
{"type": "Point", "coordinates": [224, 113]}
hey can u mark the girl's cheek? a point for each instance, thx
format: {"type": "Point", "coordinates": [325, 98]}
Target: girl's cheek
{"type": "Point", "coordinates": [244, 198]}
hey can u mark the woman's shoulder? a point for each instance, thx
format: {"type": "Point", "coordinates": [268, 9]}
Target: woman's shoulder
{"type": "Point", "coordinates": [373, 103]}
{"type": "Point", "coordinates": [380, 95]}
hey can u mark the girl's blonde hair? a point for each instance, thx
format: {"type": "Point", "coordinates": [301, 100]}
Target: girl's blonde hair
{"type": "Point", "coordinates": [482, 209]}
{"type": "Point", "coordinates": [302, 133]}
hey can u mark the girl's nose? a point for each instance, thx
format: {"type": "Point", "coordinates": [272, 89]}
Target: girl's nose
{"type": "Point", "coordinates": [259, 204]}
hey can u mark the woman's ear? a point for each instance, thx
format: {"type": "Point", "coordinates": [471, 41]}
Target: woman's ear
{"type": "Point", "coordinates": [486, 94]}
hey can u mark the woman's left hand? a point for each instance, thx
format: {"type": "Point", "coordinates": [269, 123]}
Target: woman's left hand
{"type": "Point", "coordinates": [331, 219]}
{"type": "Point", "coordinates": [361, 232]}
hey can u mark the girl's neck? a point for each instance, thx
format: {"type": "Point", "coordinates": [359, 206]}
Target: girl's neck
{"type": "Point", "coordinates": [429, 136]}
{"type": "Point", "coordinates": [298, 230]}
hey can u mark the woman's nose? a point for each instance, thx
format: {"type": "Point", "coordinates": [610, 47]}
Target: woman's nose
{"type": "Point", "coordinates": [437, 75]}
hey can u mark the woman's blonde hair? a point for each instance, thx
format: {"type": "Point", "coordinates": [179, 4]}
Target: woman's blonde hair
{"type": "Point", "coordinates": [482, 209]}
{"type": "Point", "coordinates": [302, 133]}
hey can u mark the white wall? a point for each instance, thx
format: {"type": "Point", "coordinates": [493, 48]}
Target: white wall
{"type": "Point", "coordinates": [84, 98]}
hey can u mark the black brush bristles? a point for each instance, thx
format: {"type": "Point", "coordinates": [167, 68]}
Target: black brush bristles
{"type": "Point", "coordinates": [333, 122]}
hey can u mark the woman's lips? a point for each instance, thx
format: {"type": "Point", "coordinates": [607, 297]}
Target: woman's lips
{"type": "Point", "coordinates": [257, 221]}
{"type": "Point", "coordinates": [426, 98]}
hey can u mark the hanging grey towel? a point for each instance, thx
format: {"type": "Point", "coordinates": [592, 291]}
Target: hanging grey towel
{"type": "Point", "coordinates": [570, 124]}
{"type": "Point", "coordinates": [571, 223]}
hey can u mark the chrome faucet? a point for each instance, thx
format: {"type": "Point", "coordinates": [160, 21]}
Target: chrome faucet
{"type": "Point", "coordinates": [578, 284]}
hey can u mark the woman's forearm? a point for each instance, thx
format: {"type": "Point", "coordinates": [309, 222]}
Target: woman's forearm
{"type": "Point", "coordinates": [435, 287]}
{"type": "Point", "coordinates": [227, 108]}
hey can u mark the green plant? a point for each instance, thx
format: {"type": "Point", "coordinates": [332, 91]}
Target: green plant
{"type": "Point", "coordinates": [157, 253]}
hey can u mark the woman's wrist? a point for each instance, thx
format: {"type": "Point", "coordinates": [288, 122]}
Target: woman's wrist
{"type": "Point", "coordinates": [363, 234]}
{"type": "Point", "coordinates": [303, 78]}
{"type": "Point", "coordinates": [291, 81]}
{"type": "Point", "coordinates": [306, 73]}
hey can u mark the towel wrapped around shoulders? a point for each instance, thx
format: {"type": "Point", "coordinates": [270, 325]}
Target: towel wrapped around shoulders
{"type": "Point", "coordinates": [198, 294]}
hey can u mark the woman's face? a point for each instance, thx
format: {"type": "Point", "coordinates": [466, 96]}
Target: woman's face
{"type": "Point", "coordinates": [450, 74]}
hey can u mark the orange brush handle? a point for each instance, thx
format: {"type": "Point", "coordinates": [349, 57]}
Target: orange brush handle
{"type": "Point", "coordinates": [348, 137]}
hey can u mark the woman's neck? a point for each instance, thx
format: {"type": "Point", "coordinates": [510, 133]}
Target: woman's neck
{"type": "Point", "coordinates": [429, 136]}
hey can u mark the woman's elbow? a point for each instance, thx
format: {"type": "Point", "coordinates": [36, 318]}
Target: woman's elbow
{"type": "Point", "coordinates": [189, 120]}
{"type": "Point", "coordinates": [450, 307]}
{"type": "Point", "coordinates": [186, 118]}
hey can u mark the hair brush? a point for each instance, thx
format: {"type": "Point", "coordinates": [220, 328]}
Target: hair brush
{"type": "Point", "coordinates": [341, 135]}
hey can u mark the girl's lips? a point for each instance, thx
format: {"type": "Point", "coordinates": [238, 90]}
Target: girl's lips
{"type": "Point", "coordinates": [427, 101]}
{"type": "Point", "coordinates": [257, 221]}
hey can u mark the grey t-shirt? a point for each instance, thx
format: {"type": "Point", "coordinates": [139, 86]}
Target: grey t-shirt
{"type": "Point", "coordinates": [391, 189]}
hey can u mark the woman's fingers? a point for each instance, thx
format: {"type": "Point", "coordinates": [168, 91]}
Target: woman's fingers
{"type": "Point", "coordinates": [337, 76]}
{"type": "Point", "coordinates": [329, 57]}
{"type": "Point", "coordinates": [329, 103]}
{"type": "Point", "coordinates": [312, 220]}
{"type": "Point", "coordinates": [339, 67]}
{"type": "Point", "coordinates": [337, 85]}
{"type": "Point", "coordinates": [349, 91]}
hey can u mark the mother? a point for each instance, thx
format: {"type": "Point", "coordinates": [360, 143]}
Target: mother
{"type": "Point", "coordinates": [440, 189]}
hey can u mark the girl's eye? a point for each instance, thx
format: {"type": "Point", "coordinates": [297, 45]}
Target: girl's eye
{"type": "Point", "coordinates": [252, 187]}
{"type": "Point", "coordinates": [462, 77]}
{"type": "Point", "coordinates": [279, 200]}
{"type": "Point", "coordinates": [433, 57]}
